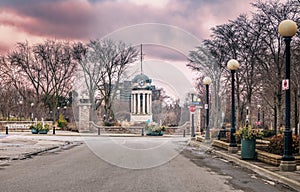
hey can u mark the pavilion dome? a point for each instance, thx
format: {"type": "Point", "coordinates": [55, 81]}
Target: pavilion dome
{"type": "Point", "coordinates": [140, 77]}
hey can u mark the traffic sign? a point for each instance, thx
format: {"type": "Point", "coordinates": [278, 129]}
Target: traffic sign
{"type": "Point", "coordinates": [192, 108]}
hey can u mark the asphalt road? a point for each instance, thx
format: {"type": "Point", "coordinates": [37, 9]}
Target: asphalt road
{"type": "Point", "coordinates": [81, 169]}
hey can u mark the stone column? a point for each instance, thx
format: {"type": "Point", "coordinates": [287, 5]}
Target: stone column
{"type": "Point", "coordinates": [144, 103]}
{"type": "Point", "coordinates": [139, 103]}
{"type": "Point", "coordinates": [131, 103]}
{"type": "Point", "coordinates": [150, 103]}
{"type": "Point", "coordinates": [84, 117]}
{"type": "Point", "coordinates": [134, 103]}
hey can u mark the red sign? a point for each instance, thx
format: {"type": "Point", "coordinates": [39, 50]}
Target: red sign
{"type": "Point", "coordinates": [192, 108]}
{"type": "Point", "coordinates": [285, 84]}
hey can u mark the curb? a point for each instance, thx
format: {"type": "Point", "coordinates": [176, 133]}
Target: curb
{"type": "Point", "coordinates": [259, 170]}
{"type": "Point", "coordinates": [28, 155]}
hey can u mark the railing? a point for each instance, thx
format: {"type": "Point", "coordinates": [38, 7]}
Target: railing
{"type": "Point", "coordinates": [180, 130]}
{"type": "Point", "coordinates": [18, 125]}
{"type": "Point", "coordinates": [117, 129]}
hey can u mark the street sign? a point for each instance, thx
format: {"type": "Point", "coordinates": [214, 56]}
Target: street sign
{"type": "Point", "coordinates": [285, 84]}
{"type": "Point", "coordinates": [206, 106]}
{"type": "Point", "coordinates": [196, 102]}
{"type": "Point", "coordinates": [192, 108]}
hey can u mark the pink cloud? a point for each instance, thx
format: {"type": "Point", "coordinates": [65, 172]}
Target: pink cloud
{"type": "Point", "coordinates": [83, 20]}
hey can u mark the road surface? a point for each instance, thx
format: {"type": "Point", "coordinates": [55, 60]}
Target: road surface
{"type": "Point", "coordinates": [79, 169]}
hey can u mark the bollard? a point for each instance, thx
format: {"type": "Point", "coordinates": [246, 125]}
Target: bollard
{"type": "Point", "coordinates": [6, 130]}
{"type": "Point", "coordinates": [98, 130]}
{"type": "Point", "coordinates": [183, 133]}
{"type": "Point", "coordinates": [142, 131]}
{"type": "Point", "coordinates": [53, 130]}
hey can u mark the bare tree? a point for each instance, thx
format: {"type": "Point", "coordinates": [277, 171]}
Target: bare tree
{"type": "Point", "coordinates": [268, 16]}
{"type": "Point", "coordinates": [203, 61]}
{"type": "Point", "coordinates": [103, 66]}
{"type": "Point", "coordinates": [47, 68]}
{"type": "Point", "coordinates": [256, 44]}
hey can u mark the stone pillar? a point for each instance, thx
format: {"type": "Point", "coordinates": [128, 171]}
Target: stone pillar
{"type": "Point", "coordinates": [131, 103]}
{"type": "Point", "coordinates": [84, 117]}
{"type": "Point", "coordinates": [134, 103]}
{"type": "Point", "coordinates": [150, 103]}
{"type": "Point", "coordinates": [144, 103]}
{"type": "Point", "coordinates": [139, 103]}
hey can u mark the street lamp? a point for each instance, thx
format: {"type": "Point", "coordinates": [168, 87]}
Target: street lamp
{"type": "Point", "coordinates": [20, 112]}
{"type": "Point", "coordinates": [287, 30]}
{"type": "Point", "coordinates": [247, 116]}
{"type": "Point", "coordinates": [232, 65]}
{"type": "Point", "coordinates": [65, 108]}
{"type": "Point", "coordinates": [258, 116]}
{"type": "Point", "coordinates": [206, 82]}
{"type": "Point", "coordinates": [31, 104]}
{"type": "Point", "coordinates": [57, 114]}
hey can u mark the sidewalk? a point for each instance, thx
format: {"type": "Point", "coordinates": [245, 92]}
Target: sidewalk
{"type": "Point", "coordinates": [291, 179]}
{"type": "Point", "coordinates": [21, 145]}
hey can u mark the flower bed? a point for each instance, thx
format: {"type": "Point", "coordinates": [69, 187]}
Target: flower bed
{"type": "Point", "coordinates": [271, 158]}
{"type": "Point", "coordinates": [261, 155]}
{"type": "Point", "coordinates": [154, 130]}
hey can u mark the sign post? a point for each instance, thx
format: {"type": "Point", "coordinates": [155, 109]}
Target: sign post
{"type": "Point", "coordinates": [192, 110]}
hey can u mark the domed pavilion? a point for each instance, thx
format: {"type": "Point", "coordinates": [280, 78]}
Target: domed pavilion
{"type": "Point", "coordinates": [141, 99]}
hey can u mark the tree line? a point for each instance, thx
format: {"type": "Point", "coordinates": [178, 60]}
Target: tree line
{"type": "Point", "coordinates": [255, 42]}
{"type": "Point", "coordinates": [40, 78]}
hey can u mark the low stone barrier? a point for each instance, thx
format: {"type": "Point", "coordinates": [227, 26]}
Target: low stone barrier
{"type": "Point", "coordinates": [269, 158]}
{"type": "Point", "coordinates": [220, 144]}
{"type": "Point", "coordinates": [262, 156]}
{"type": "Point", "coordinates": [182, 130]}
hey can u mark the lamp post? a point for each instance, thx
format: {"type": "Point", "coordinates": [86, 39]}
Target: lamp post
{"type": "Point", "coordinates": [206, 82]}
{"type": "Point", "coordinates": [31, 104]}
{"type": "Point", "coordinates": [247, 117]}
{"type": "Point", "coordinates": [65, 108]}
{"type": "Point", "coordinates": [232, 65]}
{"type": "Point", "coordinates": [258, 116]}
{"type": "Point", "coordinates": [287, 30]}
{"type": "Point", "coordinates": [57, 113]}
{"type": "Point", "coordinates": [20, 112]}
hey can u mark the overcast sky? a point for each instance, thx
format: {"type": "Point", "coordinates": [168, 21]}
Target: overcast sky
{"type": "Point", "coordinates": [36, 20]}
{"type": "Point", "coordinates": [167, 28]}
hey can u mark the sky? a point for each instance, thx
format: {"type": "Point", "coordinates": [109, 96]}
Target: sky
{"type": "Point", "coordinates": [169, 29]}
{"type": "Point", "coordinates": [37, 20]}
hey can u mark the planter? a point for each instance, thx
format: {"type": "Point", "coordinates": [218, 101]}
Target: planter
{"type": "Point", "coordinates": [34, 131]}
{"type": "Point", "coordinates": [248, 148]}
{"type": "Point", "coordinates": [154, 133]}
{"type": "Point", "coordinates": [43, 131]}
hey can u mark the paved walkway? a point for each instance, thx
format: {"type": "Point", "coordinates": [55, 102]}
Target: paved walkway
{"type": "Point", "coordinates": [19, 145]}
